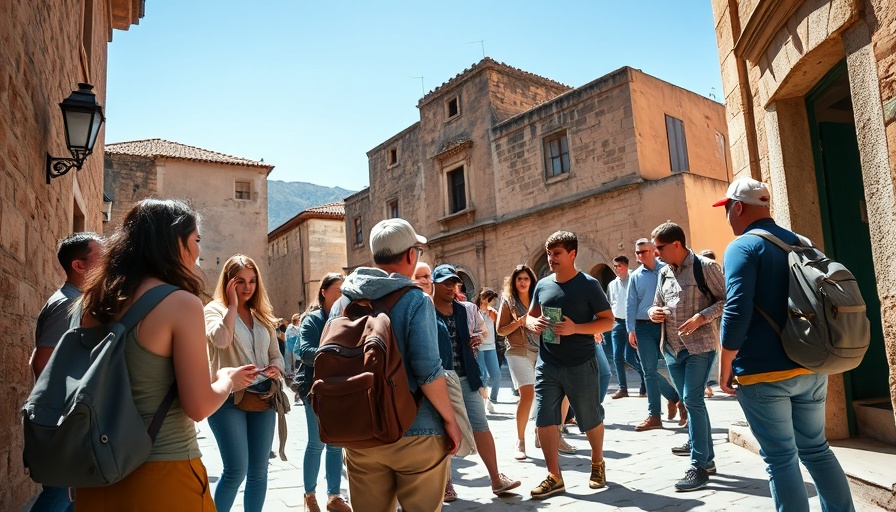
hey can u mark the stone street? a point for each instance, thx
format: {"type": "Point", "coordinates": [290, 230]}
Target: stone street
{"type": "Point", "coordinates": [641, 470]}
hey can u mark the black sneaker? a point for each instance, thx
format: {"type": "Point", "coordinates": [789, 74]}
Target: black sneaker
{"type": "Point", "coordinates": [694, 478]}
{"type": "Point", "coordinates": [682, 450]}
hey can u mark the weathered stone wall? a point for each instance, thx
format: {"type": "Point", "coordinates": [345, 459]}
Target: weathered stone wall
{"type": "Point", "coordinates": [127, 179]}
{"type": "Point", "coordinates": [40, 66]}
{"type": "Point", "coordinates": [209, 188]}
{"type": "Point", "coordinates": [298, 258]}
{"type": "Point", "coordinates": [359, 205]}
{"type": "Point", "coordinates": [765, 103]}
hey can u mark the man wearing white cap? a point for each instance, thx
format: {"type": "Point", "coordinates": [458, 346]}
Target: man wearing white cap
{"type": "Point", "coordinates": [415, 469]}
{"type": "Point", "coordinates": [782, 401]}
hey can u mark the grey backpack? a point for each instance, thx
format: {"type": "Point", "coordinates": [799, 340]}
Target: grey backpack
{"type": "Point", "coordinates": [827, 330]}
{"type": "Point", "coordinates": [82, 428]}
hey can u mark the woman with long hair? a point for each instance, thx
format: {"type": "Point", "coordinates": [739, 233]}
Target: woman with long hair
{"type": "Point", "coordinates": [522, 346]}
{"type": "Point", "coordinates": [157, 244]}
{"type": "Point", "coordinates": [240, 327]}
{"type": "Point", "coordinates": [488, 354]}
{"type": "Point", "coordinates": [312, 326]}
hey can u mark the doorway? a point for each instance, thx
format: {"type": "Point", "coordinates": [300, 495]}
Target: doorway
{"type": "Point", "coordinates": [844, 218]}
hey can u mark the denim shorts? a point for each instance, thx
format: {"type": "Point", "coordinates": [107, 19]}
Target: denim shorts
{"type": "Point", "coordinates": [579, 383]}
{"type": "Point", "coordinates": [475, 406]}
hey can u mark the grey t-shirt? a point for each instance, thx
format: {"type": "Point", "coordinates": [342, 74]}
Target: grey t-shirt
{"type": "Point", "coordinates": [55, 317]}
{"type": "Point", "coordinates": [581, 299]}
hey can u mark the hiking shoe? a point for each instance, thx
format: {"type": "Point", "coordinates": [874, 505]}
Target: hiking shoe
{"type": "Point", "coordinates": [684, 449]}
{"type": "Point", "coordinates": [682, 415]}
{"type": "Point", "coordinates": [549, 486]}
{"type": "Point", "coordinates": [622, 393]}
{"type": "Point", "coordinates": [650, 423]}
{"type": "Point", "coordinates": [598, 477]}
{"type": "Point", "coordinates": [505, 485]}
{"type": "Point", "coordinates": [565, 447]}
{"type": "Point", "coordinates": [711, 468]}
{"type": "Point", "coordinates": [672, 408]}
{"type": "Point", "coordinates": [694, 478]}
{"type": "Point", "coordinates": [520, 452]}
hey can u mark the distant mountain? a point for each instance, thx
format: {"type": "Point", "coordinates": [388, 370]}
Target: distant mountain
{"type": "Point", "coordinates": [286, 199]}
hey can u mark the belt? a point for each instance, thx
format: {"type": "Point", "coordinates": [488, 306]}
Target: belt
{"type": "Point", "coordinates": [644, 321]}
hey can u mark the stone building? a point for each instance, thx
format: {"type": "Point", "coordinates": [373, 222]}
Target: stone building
{"type": "Point", "coordinates": [811, 108]}
{"type": "Point", "coordinates": [46, 49]}
{"type": "Point", "coordinates": [300, 252]}
{"type": "Point", "coordinates": [502, 158]}
{"type": "Point", "coordinates": [230, 193]}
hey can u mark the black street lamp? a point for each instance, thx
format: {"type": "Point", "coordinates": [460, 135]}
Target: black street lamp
{"type": "Point", "coordinates": [83, 117]}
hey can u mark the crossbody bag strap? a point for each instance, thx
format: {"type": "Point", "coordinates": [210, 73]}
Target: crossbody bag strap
{"type": "Point", "coordinates": [156, 425]}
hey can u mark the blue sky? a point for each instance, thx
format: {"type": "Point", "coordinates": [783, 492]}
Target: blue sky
{"type": "Point", "coordinates": [310, 87]}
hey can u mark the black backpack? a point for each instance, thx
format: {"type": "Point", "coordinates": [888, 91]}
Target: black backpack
{"type": "Point", "coordinates": [82, 428]}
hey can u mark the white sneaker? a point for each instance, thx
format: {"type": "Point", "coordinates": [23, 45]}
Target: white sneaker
{"type": "Point", "coordinates": [489, 406]}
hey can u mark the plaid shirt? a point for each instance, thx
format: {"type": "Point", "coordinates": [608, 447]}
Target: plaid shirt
{"type": "Point", "coordinates": [678, 284]}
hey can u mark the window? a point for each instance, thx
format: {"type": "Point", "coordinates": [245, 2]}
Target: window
{"type": "Point", "coordinates": [678, 146]}
{"type": "Point", "coordinates": [453, 107]}
{"type": "Point", "coordinates": [393, 156]}
{"type": "Point", "coordinates": [392, 209]}
{"type": "Point", "coordinates": [556, 155]}
{"type": "Point", "coordinates": [457, 194]}
{"type": "Point", "coordinates": [242, 190]}
{"type": "Point", "coordinates": [359, 232]}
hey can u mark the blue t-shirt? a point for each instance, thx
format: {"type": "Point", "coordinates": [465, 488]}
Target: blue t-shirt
{"type": "Point", "coordinates": [580, 299]}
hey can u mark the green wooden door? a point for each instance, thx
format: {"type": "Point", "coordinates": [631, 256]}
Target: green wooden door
{"type": "Point", "coordinates": [849, 242]}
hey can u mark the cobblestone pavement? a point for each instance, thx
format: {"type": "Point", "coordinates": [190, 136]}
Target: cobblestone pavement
{"type": "Point", "coordinates": [641, 470]}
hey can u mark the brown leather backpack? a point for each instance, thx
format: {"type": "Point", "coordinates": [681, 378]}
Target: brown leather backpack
{"type": "Point", "coordinates": [360, 390]}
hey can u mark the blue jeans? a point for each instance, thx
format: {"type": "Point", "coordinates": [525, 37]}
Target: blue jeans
{"type": "Point", "coordinates": [624, 353]}
{"type": "Point", "coordinates": [53, 499]}
{"type": "Point", "coordinates": [244, 440]}
{"type": "Point", "coordinates": [313, 450]}
{"type": "Point", "coordinates": [787, 419]}
{"type": "Point", "coordinates": [603, 366]}
{"type": "Point", "coordinates": [648, 334]}
{"type": "Point", "coordinates": [490, 372]}
{"type": "Point", "coordinates": [290, 357]}
{"type": "Point", "coordinates": [689, 373]}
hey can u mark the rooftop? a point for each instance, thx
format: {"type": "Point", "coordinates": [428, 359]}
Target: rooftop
{"type": "Point", "coordinates": [161, 148]}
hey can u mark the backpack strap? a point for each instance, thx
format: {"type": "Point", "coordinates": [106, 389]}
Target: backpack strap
{"type": "Point", "coordinates": [804, 242]}
{"type": "Point", "coordinates": [388, 301]}
{"type": "Point", "coordinates": [150, 299]}
{"type": "Point", "coordinates": [701, 279]}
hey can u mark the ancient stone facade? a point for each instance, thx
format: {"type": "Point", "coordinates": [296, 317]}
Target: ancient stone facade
{"type": "Point", "coordinates": [300, 252]}
{"type": "Point", "coordinates": [811, 108]}
{"type": "Point", "coordinates": [227, 191]}
{"type": "Point", "coordinates": [46, 48]}
{"type": "Point", "coordinates": [502, 158]}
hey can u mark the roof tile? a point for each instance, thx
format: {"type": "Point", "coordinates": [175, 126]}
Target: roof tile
{"type": "Point", "coordinates": [154, 148]}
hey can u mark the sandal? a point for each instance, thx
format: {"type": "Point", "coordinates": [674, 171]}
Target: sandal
{"type": "Point", "coordinates": [450, 493]}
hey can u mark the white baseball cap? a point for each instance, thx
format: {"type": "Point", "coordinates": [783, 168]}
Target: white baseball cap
{"type": "Point", "coordinates": [747, 191]}
{"type": "Point", "coordinates": [393, 236]}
